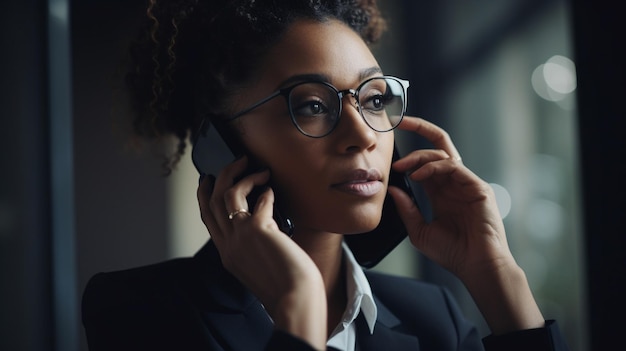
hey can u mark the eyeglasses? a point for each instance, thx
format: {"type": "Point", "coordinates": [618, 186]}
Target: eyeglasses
{"type": "Point", "coordinates": [315, 106]}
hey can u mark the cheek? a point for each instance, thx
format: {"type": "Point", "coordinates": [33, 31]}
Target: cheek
{"type": "Point", "coordinates": [300, 174]}
{"type": "Point", "coordinates": [302, 171]}
{"type": "Point", "coordinates": [301, 184]}
{"type": "Point", "coordinates": [295, 161]}
{"type": "Point", "coordinates": [266, 137]}
{"type": "Point", "coordinates": [387, 144]}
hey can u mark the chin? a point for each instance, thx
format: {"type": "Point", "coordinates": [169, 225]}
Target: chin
{"type": "Point", "coordinates": [338, 216]}
{"type": "Point", "coordinates": [353, 223]}
{"type": "Point", "coordinates": [362, 224]}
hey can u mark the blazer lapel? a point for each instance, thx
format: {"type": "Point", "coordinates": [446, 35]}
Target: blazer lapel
{"type": "Point", "coordinates": [386, 333]}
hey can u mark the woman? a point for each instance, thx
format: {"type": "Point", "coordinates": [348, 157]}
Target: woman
{"type": "Point", "coordinates": [269, 71]}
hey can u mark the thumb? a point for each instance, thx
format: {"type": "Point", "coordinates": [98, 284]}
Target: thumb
{"type": "Point", "coordinates": [407, 209]}
{"type": "Point", "coordinates": [265, 204]}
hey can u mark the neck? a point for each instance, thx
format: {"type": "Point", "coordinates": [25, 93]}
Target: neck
{"type": "Point", "coordinates": [326, 252]}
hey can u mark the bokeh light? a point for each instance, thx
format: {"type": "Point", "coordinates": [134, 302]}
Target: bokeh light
{"type": "Point", "coordinates": [555, 79]}
{"type": "Point", "coordinates": [503, 198]}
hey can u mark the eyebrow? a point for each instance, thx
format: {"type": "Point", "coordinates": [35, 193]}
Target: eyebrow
{"type": "Point", "coordinates": [318, 77]}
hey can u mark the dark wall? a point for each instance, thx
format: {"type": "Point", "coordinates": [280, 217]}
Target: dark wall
{"type": "Point", "coordinates": [25, 286]}
{"type": "Point", "coordinates": [121, 202]}
{"type": "Point", "coordinates": [600, 57]}
{"type": "Point", "coordinates": [118, 217]}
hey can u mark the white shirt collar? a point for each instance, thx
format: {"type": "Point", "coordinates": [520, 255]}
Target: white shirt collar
{"type": "Point", "coordinates": [359, 293]}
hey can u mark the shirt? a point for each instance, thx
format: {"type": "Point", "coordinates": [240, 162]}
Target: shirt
{"type": "Point", "coordinates": [360, 299]}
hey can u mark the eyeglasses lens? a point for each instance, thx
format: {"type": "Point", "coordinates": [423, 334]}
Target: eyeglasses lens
{"type": "Point", "coordinates": [315, 107]}
{"type": "Point", "coordinates": [382, 103]}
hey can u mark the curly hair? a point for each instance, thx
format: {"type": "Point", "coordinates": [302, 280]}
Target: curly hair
{"type": "Point", "coordinates": [191, 55]}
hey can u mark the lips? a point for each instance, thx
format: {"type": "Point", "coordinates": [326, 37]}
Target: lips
{"type": "Point", "coordinates": [360, 182]}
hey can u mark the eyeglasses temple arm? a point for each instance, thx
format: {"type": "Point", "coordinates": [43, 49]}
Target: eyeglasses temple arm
{"type": "Point", "coordinates": [255, 105]}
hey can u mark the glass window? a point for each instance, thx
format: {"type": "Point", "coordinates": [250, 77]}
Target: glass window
{"type": "Point", "coordinates": [499, 76]}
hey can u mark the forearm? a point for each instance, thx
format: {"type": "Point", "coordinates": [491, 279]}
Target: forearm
{"type": "Point", "coordinates": [303, 314]}
{"type": "Point", "coordinates": [505, 300]}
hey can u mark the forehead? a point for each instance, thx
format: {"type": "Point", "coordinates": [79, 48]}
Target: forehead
{"type": "Point", "coordinates": [329, 48]}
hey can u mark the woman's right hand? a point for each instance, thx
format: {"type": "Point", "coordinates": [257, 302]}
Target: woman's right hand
{"type": "Point", "coordinates": [253, 249]}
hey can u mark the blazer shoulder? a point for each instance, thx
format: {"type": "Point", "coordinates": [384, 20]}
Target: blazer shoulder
{"type": "Point", "coordinates": [135, 286]}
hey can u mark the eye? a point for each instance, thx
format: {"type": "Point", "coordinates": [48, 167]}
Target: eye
{"type": "Point", "coordinates": [375, 102]}
{"type": "Point", "coordinates": [313, 108]}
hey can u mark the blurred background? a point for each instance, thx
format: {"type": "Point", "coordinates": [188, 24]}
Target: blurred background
{"type": "Point", "coordinates": [531, 91]}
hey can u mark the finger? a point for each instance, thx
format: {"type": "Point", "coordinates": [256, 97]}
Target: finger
{"type": "Point", "coordinates": [407, 209]}
{"type": "Point", "coordinates": [226, 178]}
{"type": "Point", "coordinates": [419, 158]}
{"type": "Point", "coordinates": [235, 198]}
{"type": "Point", "coordinates": [445, 169]}
{"type": "Point", "coordinates": [433, 133]}
{"type": "Point", "coordinates": [224, 181]}
{"type": "Point", "coordinates": [264, 207]}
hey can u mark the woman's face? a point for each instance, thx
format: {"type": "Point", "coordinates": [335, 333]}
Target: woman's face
{"type": "Point", "coordinates": [336, 183]}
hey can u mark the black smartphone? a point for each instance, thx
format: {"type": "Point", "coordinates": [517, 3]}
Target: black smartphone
{"type": "Point", "coordinates": [213, 148]}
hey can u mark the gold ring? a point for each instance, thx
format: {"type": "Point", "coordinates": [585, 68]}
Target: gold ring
{"type": "Point", "coordinates": [239, 211]}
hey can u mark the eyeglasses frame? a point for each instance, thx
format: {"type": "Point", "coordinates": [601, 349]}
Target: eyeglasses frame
{"type": "Point", "coordinates": [340, 94]}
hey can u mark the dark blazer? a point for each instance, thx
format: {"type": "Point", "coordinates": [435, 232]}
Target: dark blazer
{"type": "Point", "coordinates": [195, 304]}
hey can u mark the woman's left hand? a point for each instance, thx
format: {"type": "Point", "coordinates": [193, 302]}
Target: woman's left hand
{"type": "Point", "coordinates": [466, 234]}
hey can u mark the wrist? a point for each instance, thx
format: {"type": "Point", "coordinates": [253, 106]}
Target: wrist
{"type": "Point", "coordinates": [505, 299]}
{"type": "Point", "coordinates": [303, 313]}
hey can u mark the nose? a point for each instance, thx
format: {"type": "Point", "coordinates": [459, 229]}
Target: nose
{"type": "Point", "coordinates": [353, 134]}
{"type": "Point", "coordinates": [350, 95]}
